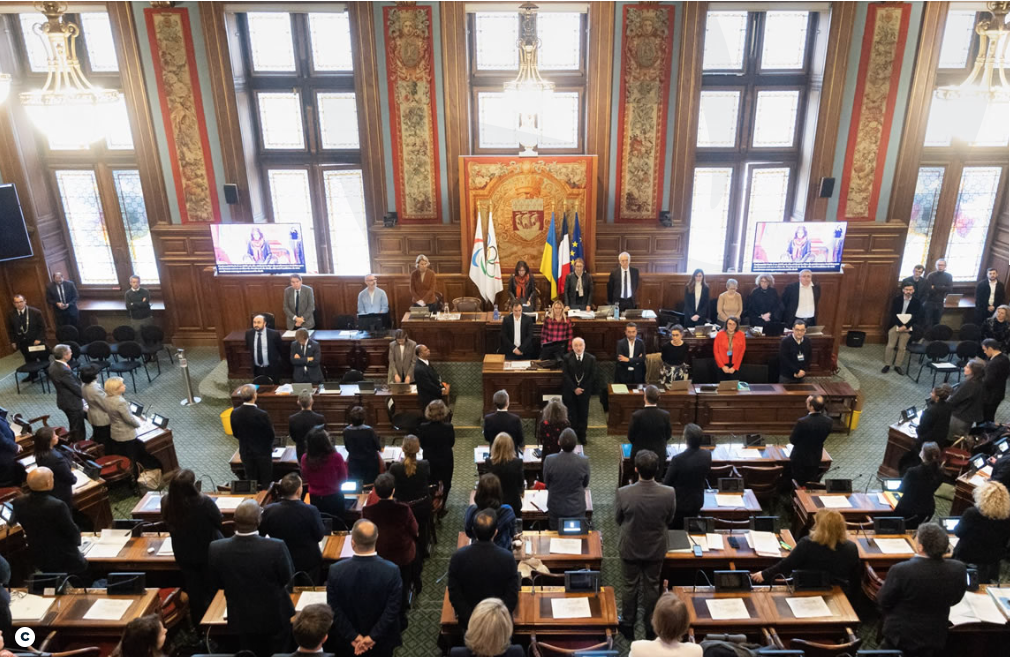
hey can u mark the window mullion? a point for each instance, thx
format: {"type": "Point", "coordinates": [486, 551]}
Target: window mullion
{"type": "Point", "coordinates": [114, 224]}
{"type": "Point", "coordinates": [320, 220]}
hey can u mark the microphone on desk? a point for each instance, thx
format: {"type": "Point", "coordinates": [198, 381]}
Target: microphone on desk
{"type": "Point", "coordinates": [703, 574]}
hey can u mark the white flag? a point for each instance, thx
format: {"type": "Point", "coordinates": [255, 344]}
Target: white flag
{"type": "Point", "coordinates": [478, 267]}
{"type": "Point", "coordinates": [493, 285]}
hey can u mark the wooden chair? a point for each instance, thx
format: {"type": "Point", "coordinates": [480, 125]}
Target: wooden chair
{"type": "Point", "coordinates": [859, 524]}
{"type": "Point", "coordinates": [845, 649]}
{"type": "Point", "coordinates": [569, 647]}
{"type": "Point", "coordinates": [9, 493]}
{"type": "Point", "coordinates": [115, 469]}
{"type": "Point", "coordinates": [871, 583]}
{"type": "Point", "coordinates": [26, 425]}
{"type": "Point", "coordinates": [808, 485]}
{"type": "Point", "coordinates": [721, 472]}
{"type": "Point", "coordinates": [544, 579]}
{"type": "Point", "coordinates": [228, 528]}
{"type": "Point", "coordinates": [174, 607]}
{"type": "Point", "coordinates": [764, 481]}
{"type": "Point", "coordinates": [467, 305]}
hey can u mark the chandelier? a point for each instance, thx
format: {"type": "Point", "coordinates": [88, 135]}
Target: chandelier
{"type": "Point", "coordinates": [67, 108]}
{"type": "Point", "coordinates": [529, 92]}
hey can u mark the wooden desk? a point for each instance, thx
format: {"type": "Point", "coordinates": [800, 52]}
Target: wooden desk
{"type": "Point", "coordinates": [66, 616]}
{"type": "Point", "coordinates": [161, 445]}
{"type": "Point", "coordinates": [148, 508]}
{"type": "Point", "coordinates": [901, 437]}
{"type": "Point", "coordinates": [750, 507]}
{"type": "Point", "coordinates": [282, 465]}
{"type": "Point", "coordinates": [681, 406]}
{"type": "Point", "coordinates": [680, 567]}
{"type": "Point", "coordinates": [532, 514]}
{"type": "Point", "coordinates": [763, 349]}
{"type": "Point", "coordinates": [880, 562]}
{"type": "Point", "coordinates": [91, 496]}
{"type": "Point", "coordinates": [526, 388]}
{"type": "Point", "coordinates": [366, 352]}
{"type": "Point", "coordinates": [964, 490]}
{"type": "Point", "coordinates": [807, 503]}
{"type": "Point", "coordinates": [140, 555]}
{"type": "Point", "coordinates": [538, 545]}
{"type": "Point", "coordinates": [769, 408]}
{"type": "Point", "coordinates": [973, 639]}
{"type": "Point", "coordinates": [214, 619]}
{"type": "Point", "coordinates": [601, 335]}
{"type": "Point", "coordinates": [533, 466]}
{"type": "Point", "coordinates": [333, 549]}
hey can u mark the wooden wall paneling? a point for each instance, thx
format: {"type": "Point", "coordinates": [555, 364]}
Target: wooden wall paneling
{"type": "Point", "coordinates": [600, 77]}
{"type": "Point", "coordinates": [395, 249]}
{"type": "Point", "coordinates": [654, 248]}
{"type": "Point", "coordinates": [456, 91]}
{"type": "Point", "coordinates": [184, 252]}
{"type": "Point", "coordinates": [685, 126]}
{"type": "Point", "coordinates": [999, 250]}
{"type": "Point", "coordinates": [366, 90]}
{"type": "Point", "coordinates": [872, 258]}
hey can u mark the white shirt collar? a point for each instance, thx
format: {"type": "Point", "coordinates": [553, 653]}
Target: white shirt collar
{"type": "Point", "coordinates": [423, 361]}
{"type": "Point", "coordinates": [252, 533]}
{"type": "Point", "coordinates": [373, 553]}
{"type": "Point", "coordinates": [248, 404]}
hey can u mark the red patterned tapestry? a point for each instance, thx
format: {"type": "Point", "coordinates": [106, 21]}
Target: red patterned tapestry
{"type": "Point", "coordinates": [641, 121]}
{"type": "Point", "coordinates": [182, 112]}
{"type": "Point", "coordinates": [410, 67]}
{"type": "Point", "coordinates": [873, 109]}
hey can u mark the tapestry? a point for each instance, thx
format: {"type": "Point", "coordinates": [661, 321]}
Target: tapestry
{"type": "Point", "coordinates": [873, 109]}
{"type": "Point", "coordinates": [641, 120]}
{"type": "Point", "coordinates": [410, 68]}
{"type": "Point", "coordinates": [182, 112]}
{"type": "Point", "coordinates": [520, 194]}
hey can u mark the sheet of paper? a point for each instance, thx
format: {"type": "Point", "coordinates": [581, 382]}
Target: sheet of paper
{"type": "Point", "coordinates": [987, 471]}
{"type": "Point", "coordinates": [229, 502]}
{"type": "Point", "coordinates": [749, 453]}
{"type": "Point", "coordinates": [787, 450]}
{"type": "Point", "coordinates": [108, 609]}
{"type": "Point", "coordinates": [835, 501]}
{"type": "Point", "coordinates": [291, 333]}
{"type": "Point", "coordinates": [977, 480]}
{"type": "Point", "coordinates": [30, 607]}
{"type": "Point", "coordinates": [883, 499]}
{"type": "Point", "coordinates": [893, 546]}
{"type": "Point", "coordinates": [727, 609]}
{"type": "Point", "coordinates": [566, 546]}
{"type": "Point", "coordinates": [310, 598]}
{"type": "Point", "coordinates": [701, 540]}
{"type": "Point", "coordinates": [562, 608]}
{"type": "Point", "coordinates": [976, 608]}
{"type": "Point", "coordinates": [953, 541]}
{"type": "Point", "coordinates": [537, 499]}
{"type": "Point", "coordinates": [80, 479]}
{"type": "Point", "coordinates": [109, 544]}
{"type": "Point", "coordinates": [347, 334]}
{"type": "Point", "coordinates": [904, 317]}
{"type": "Point", "coordinates": [764, 543]}
{"type": "Point", "coordinates": [166, 548]}
{"type": "Point", "coordinates": [346, 551]}
{"type": "Point", "coordinates": [278, 452]}
{"type": "Point", "coordinates": [728, 500]}
{"type": "Point", "coordinates": [812, 607]}
{"type": "Point", "coordinates": [517, 365]}
{"type": "Point", "coordinates": [714, 541]}
{"type": "Point", "coordinates": [1002, 597]}
{"type": "Point", "coordinates": [619, 389]}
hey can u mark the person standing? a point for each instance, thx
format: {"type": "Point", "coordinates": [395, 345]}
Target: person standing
{"type": "Point", "coordinates": [429, 384]}
{"type": "Point", "coordinates": [763, 304]}
{"type": "Point", "coordinates": [807, 439]}
{"type": "Point", "coordinates": [398, 534]}
{"type": "Point", "coordinates": [650, 427]}
{"type": "Point", "coordinates": [69, 393]}
{"type": "Point", "coordinates": [517, 335]}
{"type": "Point", "coordinates": [296, 523]}
{"type": "Point", "coordinates": [265, 346]}
{"type": "Point", "coordinates": [579, 287]}
{"type": "Point", "coordinates": [505, 464]}
{"type": "Point", "coordinates": [795, 354]}
{"type": "Point", "coordinates": [306, 359]}
{"type": "Point", "coordinates": [489, 632]}
{"type": "Point", "coordinates": [423, 285]}
{"type": "Point", "coordinates": [501, 421]}
{"type": "Point", "coordinates": [687, 473]}
{"type": "Point", "coordinates": [670, 620]}
{"type": "Point", "coordinates": [323, 470]}
{"type": "Point", "coordinates": [566, 475]}
{"type": "Point", "coordinates": [997, 327]}
{"type": "Point", "coordinates": [402, 359]}
{"type": "Point", "coordinates": [299, 305]}
{"type": "Point", "coordinates": [967, 402]}
{"type": "Point", "coordinates": [906, 314]}
{"type": "Point", "coordinates": [138, 304]}
{"type": "Point", "coordinates": [696, 300]}
{"type": "Point", "coordinates": [622, 286]}
{"type": "Point", "coordinates": [304, 421]}
{"type": "Point", "coordinates": [989, 295]}
{"type": "Point", "coordinates": [918, 593]}
{"type": "Point", "coordinates": [556, 333]}
{"type": "Point", "coordinates": [373, 305]}
{"type": "Point", "coordinates": [482, 570]}
{"type": "Point", "coordinates": [27, 328]}
{"type": "Point", "coordinates": [437, 437]}
{"type": "Point", "coordinates": [553, 421]}
{"type": "Point", "coordinates": [644, 510]}
{"type": "Point", "coordinates": [800, 299]}
{"type": "Point", "coordinates": [918, 281]}
{"type": "Point", "coordinates": [53, 538]}
{"type": "Point", "coordinates": [630, 368]}
{"type": "Point", "coordinates": [489, 496]}
{"type": "Point", "coordinates": [730, 303]}
{"type": "Point", "coordinates": [578, 385]}
{"type": "Point", "coordinates": [997, 370]}
{"type": "Point", "coordinates": [254, 431]}
{"type": "Point", "coordinates": [43, 442]}
{"type": "Point", "coordinates": [728, 348]}
{"type": "Point", "coordinates": [364, 448]}
{"type": "Point", "coordinates": [523, 288]}
{"type": "Point", "coordinates": [62, 296]}
{"type": "Point", "coordinates": [935, 421]}
{"type": "Point", "coordinates": [918, 486]}
{"type": "Point", "coordinates": [122, 423]}
{"type": "Point", "coordinates": [939, 284]}
{"type": "Point", "coordinates": [984, 530]}
{"type": "Point", "coordinates": [94, 397]}
{"type": "Point", "coordinates": [311, 628]}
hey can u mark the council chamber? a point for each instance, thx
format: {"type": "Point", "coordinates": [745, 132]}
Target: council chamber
{"type": "Point", "coordinates": [483, 329]}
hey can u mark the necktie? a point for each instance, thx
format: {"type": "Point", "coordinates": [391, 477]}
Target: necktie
{"type": "Point", "coordinates": [259, 348]}
{"type": "Point", "coordinates": [296, 303]}
{"type": "Point", "coordinates": [24, 321]}
{"type": "Point", "coordinates": [626, 293]}
{"type": "Point", "coordinates": [60, 288]}
{"type": "Point", "coordinates": [518, 332]}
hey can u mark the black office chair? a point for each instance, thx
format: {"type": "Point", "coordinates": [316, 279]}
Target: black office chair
{"type": "Point", "coordinates": [152, 341]}
{"type": "Point", "coordinates": [35, 369]}
{"type": "Point", "coordinates": [352, 376]}
{"type": "Point", "coordinates": [121, 334]}
{"type": "Point", "coordinates": [99, 355]}
{"type": "Point", "coordinates": [262, 380]}
{"type": "Point", "coordinates": [93, 333]}
{"type": "Point", "coordinates": [753, 373]}
{"type": "Point", "coordinates": [67, 333]}
{"type": "Point", "coordinates": [345, 323]}
{"type": "Point", "coordinates": [704, 370]}
{"type": "Point", "coordinates": [131, 359]}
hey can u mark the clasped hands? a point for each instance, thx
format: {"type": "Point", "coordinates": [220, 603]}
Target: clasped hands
{"type": "Point", "coordinates": [362, 644]}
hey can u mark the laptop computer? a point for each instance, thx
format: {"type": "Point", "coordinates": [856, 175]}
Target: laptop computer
{"type": "Point", "coordinates": [774, 329]}
{"type": "Point", "coordinates": [952, 299]}
{"type": "Point", "coordinates": [366, 387]}
{"type": "Point", "coordinates": [679, 386]}
{"type": "Point", "coordinates": [296, 388]}
{"type": "Point", "coordinates": [728, 386]}
{"type": "Point", "coordinates": [815, 330]}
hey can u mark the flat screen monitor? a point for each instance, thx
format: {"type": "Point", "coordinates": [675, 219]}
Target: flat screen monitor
{"type": "Point", "coordinates": [572, 526]}
{"type": "Point", "coordinates": [950, 523]}
{"type": "Point", "coordinates": [15, 243]}
{"type": "Point", "coordinates": [892, 485]}
{"type": "Point", "coordinates": [789, 246]}
{"type": "Point", "coordinates": [258, 248]}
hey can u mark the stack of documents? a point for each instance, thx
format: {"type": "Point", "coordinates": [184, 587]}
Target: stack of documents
{"type": "Point", "coordinates": [727, 609]}
{"type": "Point", "coordinates": [30, 607]}
{"type": "Point", "coordinates": [835, 501]}
{"type": "Point", "coordinates": [1002, 598]}
{"type": "Point", "coordinates": [108, 609]}
{"type": "Point", "coordinates": [765, 544]}
{"type": "Point", "coordinates": [731, 501]}
{"type": "Point", "coordinates": [538, 498]}
{"type": "Point", "coordinates": [976, 608]}
{"type": "Point", "coordinates": [514, 365]}
{"type": "Point", "coordinates": [310, 598]}
{"type": "Point", "coordinates": [166, 548]}
{"type": "Point", "coordinates": [106, 545]}
{"type": "Point", "coordinates": [809, 607]}
{"type": "Point", "coordinates": [566, 546]}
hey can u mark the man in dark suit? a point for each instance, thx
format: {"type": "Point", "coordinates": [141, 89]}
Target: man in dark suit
{"type": "Point", "coordinates": [578, 385]}
{"type": "Point", "coordinates": [687, 473]}
{"type": "Point", "coordinates": [997, 370]}
{"type": "Point", "coordinates": [266, 347]}
{"type": "Point", "coordinates": [310, 628]}
{"type": "Point", "coordinates": [807, 439]}
{"type": "Point", "coordinates": [62, 296]}
{"type": "Point", "coordinates": [795, 354]}
{"type": "Point", "coordinates": [800, 299]}
{"type": "Point", "coordinates": [630, 367]}
{"type": "Point", "coordinates": [306, 359]}
{"type": "Point", "coordinates": [939, 283]}
{"type": "Point", "coordinates": [53, 538]}
{"type": "Point", "coordinates": [644, 510]}
{"type": "Point", "coordinates": [364, 593]}
{"type": "Point", "coordinates": [26, 328]}
{"type": "Point", "coordinates": [482, 570]}
{"type": "Point", "coordinates": [398, 534]}
{"type": "Point", "coordinates": [254, 571]}
{"type": "Point", "coordinates": [69, 393]}
{"type": "Point", "coordinates": [296, 523]}
{"type": "Point", "coordinates": [622, 286]}
{"type": "Point", "coordinates": [650, 427]}
{"type": "Point", "coordinates": [917, 595]}
{"type": "Point", "coordinates": [503, 421]}
{"type": "Point", "coordinates": [429, 383]}
{"type": "Point", "coordinates": [517, 344]}
{"type": "Point", "coordinates": [302, 422]}
{"type": "Point", "coordinates": [989, 295]}
{"type": "Point", "coordinates": [254, 431]}
{"type": "Point", "coordinates": [900, 332]}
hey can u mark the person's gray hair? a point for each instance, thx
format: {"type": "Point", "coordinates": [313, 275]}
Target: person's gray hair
{"type": "Point", "coordinates": [421, 258]}
{"type": "Point", "coordinates": [61, 350]}
{"type": "Point", "coordinates": [263, 317]}
{"type": "Point", "coordinates": [771, 279]}
{"type": "Point", "coordinates": [733, 282]}
{"type": "Point", "coordinates": [806, 271]}
{"type": "Point", "coordinates": [247, 392]}
{"type": "Point", "coordinates": [933, 539]}
{"type": "Point", "coordinates": [501, 399]}
{"type": "Point", "coordinates": [624, 253]}
{"type": "Point", "coordinates": [305, 398]}
{"type": "Point", "coordinates": [578, 339]}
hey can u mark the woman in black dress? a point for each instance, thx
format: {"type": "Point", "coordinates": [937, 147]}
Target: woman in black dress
{"type": "Point", "coordinates": [45, 440]}
{"type": "Point", "coordinates": [364, 448]}
{"type": "Point", "coordinates": [918, 486]}
{"type": "Point", "coordinates": [509, 468]}
{"type": "Point", "coordinates": [676, 355]}
{"type": "Point", "coordinates": [437, 438]}
{"type": "Point", "coordinates": [696, 300]}
{"type": "Point", "coordinates": [984, 530]}
{"type": "Point", "coordinates": [763, 304]}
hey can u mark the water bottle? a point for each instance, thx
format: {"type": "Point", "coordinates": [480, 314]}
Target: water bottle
{"type": "Point", "coordinates": [497, 315]}
{"type": "Point", "coordinates": [617, 312]}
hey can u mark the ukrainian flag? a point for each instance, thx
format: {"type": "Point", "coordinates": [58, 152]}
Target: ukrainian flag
{"type": "Point", "coordinates": [549, 261]}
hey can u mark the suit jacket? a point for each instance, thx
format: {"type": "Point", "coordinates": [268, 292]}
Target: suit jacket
{"type": "Point", "coordinates": [299, 426]}
{"type": "Point", "coordinates": [306, 307]}
{"type": "Point", "coordinates": [275, 346]}
{"type": "Point", "coordinates": [253, 571]}
{"type": "Point", "coordinates": [199, 527]}
{"type": "Point", "coordinates": [689, 305]}
{"type": "Point", "coordinates": [69, 296]}
{"type": "Point", "coordinates": [842, 563]}
{"type": "Point", "coordinates": [807, 439]}
{"type": "Point", "coordinates": [404, 366]}
{"type": "Point", "coordinates": [305, 370]}
{"type": "Point", "coordinates": [917, 489]}
{"type": "Point", "coordinates": [566, 475]}
{"type": "Point", "coordinates": [982, 540]}
{"type": "Point", "coordinates": [572, 299]}
{"type": "Point", "coordinates": [614, 284]}
{"type": "Point", "coordinates": [429, 383]}
{"type": "Point", "coordinates": [790, 361]}
{"type": "Point", "coordinates": [398, 530]}
{"type": "Point", "coordinates": [412, 487]}
{"type": "Point", "coordinates": [967, 400]}
{"type": "Point", "coordinates": [300, 526]}
{"type": "Point", "coordinates": [122, 423]}
{"type": "Point", "coordinates": [53, 538]}
{"type": "Point", "coordinates": [644, 510]}
{"type": "Point", "coordinates": [578, 375]}
{"type": "Point", "coordinates": [914, 309]}
{"type": "Point", "coordinates": [687, 473]}
{"type": "Point", "coordinates": [982, 298]}
{"type": "Point", "coordinates": [480, 571]}
{"type": "Point", "coordinates": [934, 423]}
{"type": "Point", "coordinates": [632, 371]}
{"type": "Point", "coordinates": [997, 370]}
{"type": "Point", "coordinates": [508, 333]}
{"type": "Point", "coordinates": [69, 393]}
{"type": "Point", "coordinates": [36, 329]}
{"type": "Point", "coordinates": [791, 301]}
{"type": "Point", "coordinates": [95, 395]}
{"type": "Point", "coordinates": [1001, 470]}
{"type": "Point", "coordinates": [437, 440]}
{"type": "Point", "coordinates": [253, 429]}
{"type": "Point", "coordinates": [513, 481]}
{"type": "Point", "coordinates": [916, 599]}
{"type": "Point", "coordinates": [499, 421]}
{"type": "Point", "coordinates": [364, 594]}
{"type": "Point", "coordinates": [649, 429]}
{"type": "Point", "coordinates": [63, 475]}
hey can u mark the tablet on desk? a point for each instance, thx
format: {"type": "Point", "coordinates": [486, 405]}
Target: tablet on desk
{"type": "Point", "coordinates": [351, 487]}
{"type": "Point", "coordinates": [582, 581]}
{"type": "Point", "coordinates": [732, 580]}
{"type": "Point", "coordinates": [572, 527]}
{"type": "Point", "coordinates": [950, 523]}
{"type": "Point", "coordinates": [700, 525]}
{"type": "Point", "coordinates": [838, 486]}
{"type": "Point", "coordinates": [892, 485]}
{"type": "Point", "coordinates": [136, 408]}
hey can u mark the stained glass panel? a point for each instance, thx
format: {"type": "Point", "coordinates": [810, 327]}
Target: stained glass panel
{"type": "Point", "coordinates": [725, 40]}
{"type": "Point", "coordinates": [292, 204]}
{"type": "Point", "coordinates": [36, 48]}
{"type": "Point", "coordinates": [560, 36]}
{"type": "Point", "coordinates": [281, 120]}
{"type": "Point", "coordinates": [718, 119]}
{"type": "Point", "coordinates": [270, 42]}
{"type": "Point", "coordinates": [119, 137]}
{"type": "Point", "coordinates": [785, 40]}
{"type": "Point", "coordinates": [958, 33]}
{"type": "Point", "coordinates": [338, 119]}
{"type": "Point", "coordinates": [709, 217]}
{"type": "Point", "coordinates": [98, 39]}
{"type": "Point", "coordinates": [82, 208]}
{"type": "Point", "coordinates": [920, 224]}
{"type": "Point", "coordinates": [497, 121]}
{"type": "Point", "coordinates": [975, 200]}
{"type": "Point", "coordinates": [330, 35]}
{"type": "Point", "coordinates": [560, 121]}
{"type": "Point", "coordinates": [345, 210]}
{"type": "Point", "coordinates": [496, 38]}
{"type": "Point", "coordinates": [138, 230]}
{"type": "Point", "coordinates": [775, 118]}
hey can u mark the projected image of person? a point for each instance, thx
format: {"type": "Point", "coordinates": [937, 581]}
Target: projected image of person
{"type": "Point", "coordinates": [258, 249]}
{"type": "Point", "coordinates": [799, 245]}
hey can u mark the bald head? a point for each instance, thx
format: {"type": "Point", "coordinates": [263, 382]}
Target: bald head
{"type": "Point", "coordinates": [247, 516]}
{"type": "Point", "coordinates": [40, 480]}
{"type": "Point", "coordinates": [364, 535]}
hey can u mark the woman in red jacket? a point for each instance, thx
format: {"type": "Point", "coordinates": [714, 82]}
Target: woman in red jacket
{"type": "Point", "coordinates": [728, 348]}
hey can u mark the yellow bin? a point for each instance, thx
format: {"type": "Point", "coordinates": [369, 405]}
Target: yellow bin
{"type": "Point", "coordinates": [226, 421]}
{"type": "Point", "coordinates": [855, 420]}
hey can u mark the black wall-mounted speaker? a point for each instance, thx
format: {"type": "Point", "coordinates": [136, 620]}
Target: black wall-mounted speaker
{"type": "Point", "coordinates": [231, 194]}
